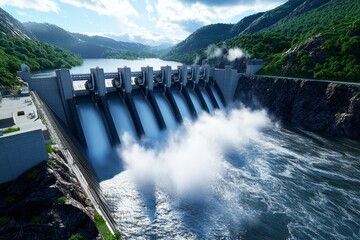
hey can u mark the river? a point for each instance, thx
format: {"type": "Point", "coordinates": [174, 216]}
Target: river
{"type": "Point", "coordinates": [237, 174]}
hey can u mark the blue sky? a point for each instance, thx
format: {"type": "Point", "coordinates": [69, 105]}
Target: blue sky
{"type": "Point", "coordinates": [146, 21]}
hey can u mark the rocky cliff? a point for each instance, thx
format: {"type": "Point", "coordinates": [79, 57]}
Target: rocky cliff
{"type": "Point", "coordinates": [329, 108]}
{"type": "Point", "coordinates": [46, 202]}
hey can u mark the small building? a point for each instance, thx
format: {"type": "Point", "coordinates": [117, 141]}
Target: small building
{"type": "Point", "coordinates": [25, 146]}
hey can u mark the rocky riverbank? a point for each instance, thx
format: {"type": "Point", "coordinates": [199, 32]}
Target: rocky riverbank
{"type": "Point", "coordinates": [328, 108]}
{"type": "Point", "coordinates": [46, 202]}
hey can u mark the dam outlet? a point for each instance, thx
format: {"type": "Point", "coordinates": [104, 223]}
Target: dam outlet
{"type": "Point", "coordinates": [173, 163]}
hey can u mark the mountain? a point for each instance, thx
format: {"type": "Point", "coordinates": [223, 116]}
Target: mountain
{"type": "Point", "coordinates": [155, 41]}
{"type": "Point", "coordinates": [245, 22]}
{"type": "Point", "coordinates": [186, 50]}
{"type": "Point", "coordinates": [17, 46]}
{"type": "Point", "coordinates": [11, 26]}
{"type": "Point", "coordinates": [216, 33]}
{"type": "Point", "coordinates": [87, 46]}
{"type": "Point", "coordinates": [311, 38]}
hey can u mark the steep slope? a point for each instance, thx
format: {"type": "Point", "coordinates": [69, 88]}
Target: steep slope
{"type": "Point", "coordinates": [245, 22]}
{"type": "Point", "coordinates": [329, 108]}
{"type": "Point", "coordinates": [250, 24]}
{"type": "Point", "coordinates": [16, 47]}
{"type": "Point", "coordinates": [200, 39]}
{"type": "Point", "coordinates": [11, 26]}
{"type": "Point", "coordinates": [84, 45]}
{"type": "Point", "coordinates": [325, 43]}
{"type": "Point", "coordinates": [282, 13]}
{"type": "Point", "coordinates": [311, 38]}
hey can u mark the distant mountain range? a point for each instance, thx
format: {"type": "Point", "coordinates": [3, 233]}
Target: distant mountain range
{"type": "Point", "coordinates": [302, 38]}
{"type": "Point", "coordinates": [47, 46]}
{"type": "Point", "coordinates": [87, 46]}
{"type": "Point", "coordinates": [81, 44]}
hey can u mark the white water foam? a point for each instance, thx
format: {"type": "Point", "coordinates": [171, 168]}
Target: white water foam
{"type": "Point", "coordinates": [236, 175]}
{"type": "Point", "coordinates": [187, 167]}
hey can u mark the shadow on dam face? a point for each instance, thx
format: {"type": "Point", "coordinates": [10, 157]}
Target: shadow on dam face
{"type": "Point", "coordinates": [231, 174]}
{"type": "Point", "coordinates": [103, 155]}
{"type": "Point", "coordinates": [100, 108]}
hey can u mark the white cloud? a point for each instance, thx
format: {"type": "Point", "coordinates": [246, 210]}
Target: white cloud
{"type": "Point", "coordinates": [146, 37]}
{"type": "Point", "coordinates": [149, 7]}
{"type": "Point", "coordinates": [38, 5]}
{"type": "Point", "coordinates": [121, 9]}
{"type": "Point", "coordinates": [172, 19]}
{"type": "Point", "coordinates": [118, 8]}
{"type": "Point", "coordinates": [172, 12]}
{"type": "Point", "coordinates": [22, 13]}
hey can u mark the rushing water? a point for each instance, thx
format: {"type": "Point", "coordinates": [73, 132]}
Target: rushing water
{"type": "Point", "coordinates": [217, 98]}
{"type": "Point", "coordinates": [122, 118]}
{"type": "Point", "coordinates": [237, 175]}
{"type": "Point", "coordinates": [147, 117]}
{"type": "Point", "coordinates": [166, 111]}
{"type": "Point", "coordinates": [233, 175]}
{"type": "Point", "coordinates": [207, 99]}
{"type": "Point", "coordinates": [181, 103]}
{"type": "Point", "coordinates": [195, 100]}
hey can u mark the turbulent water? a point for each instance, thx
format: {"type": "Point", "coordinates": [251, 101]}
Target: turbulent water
{"type": "Point", "coordinates": [237, 175]}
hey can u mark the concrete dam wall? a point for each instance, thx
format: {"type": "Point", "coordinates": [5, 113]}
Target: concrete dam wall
{"type": "Point", "coordinates": [98, 107]}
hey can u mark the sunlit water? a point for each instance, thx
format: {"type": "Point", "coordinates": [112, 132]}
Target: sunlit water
{"type": "Point", "coordinates": [195, 100]}
{"type": "Point", "coordinates": [147, 116]}
{"type": "Point", "coordinates": [111, 65]}
{"type": "Point", "coordinates": [121, 117]}
{"type": "Point", "coordinates": [166, 111]}
{"type": "Point", "coordinates": [233, 175]}
{"type": "Point", "coordinates": [237, 175]}
{"type": "Point", "coordinates": [181, 103]}
{"type": "Point", "coordinates": [208, 102]}
{"type": "Point", "coordinates": [217, 98]}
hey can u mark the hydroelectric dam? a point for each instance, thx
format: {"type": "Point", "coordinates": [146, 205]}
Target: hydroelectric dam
{"type": "Point", "coordinates": [99, 107]}
{"type": "Point", "coordinates": [160, 162]}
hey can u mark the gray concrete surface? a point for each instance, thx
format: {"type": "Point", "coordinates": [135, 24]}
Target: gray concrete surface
{"type": "Point", "coordinates": [20, 152]}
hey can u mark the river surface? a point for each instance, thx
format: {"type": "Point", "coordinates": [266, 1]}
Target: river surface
{"type": "Point", "coordinates": [111, 65]}
{"type": "Point", "coordinates": [237, 175]}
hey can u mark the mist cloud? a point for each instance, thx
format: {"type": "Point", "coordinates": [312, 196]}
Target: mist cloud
{"type": "Point", "coordinates": [214, 51]}
{"type": "Point", "coordinates": [190, 159]}
{"type": "Point", "coordinates": [235, 53]}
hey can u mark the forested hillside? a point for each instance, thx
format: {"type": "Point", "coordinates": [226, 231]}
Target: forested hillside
{"type": "Point", "coordinates": [312, 38]}
{"type": "Point", "coordinates": [17, 47]}
{"type": "Point", "coordinates": [14, 51]}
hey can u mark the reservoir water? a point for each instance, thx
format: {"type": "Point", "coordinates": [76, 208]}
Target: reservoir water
{"type": "Point", "coordinates": [111, 65]}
